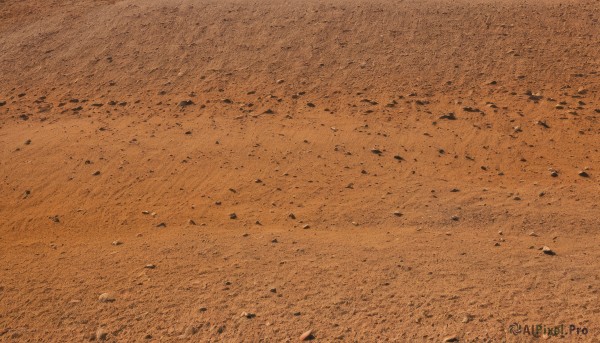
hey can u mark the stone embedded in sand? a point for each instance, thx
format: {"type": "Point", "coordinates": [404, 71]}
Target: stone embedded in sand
{"type": "Point", "coordinates": [583, 173]}
{"type": "Point", "coordinates": [553, 173]}
{"type": "Point", "coordinates": [101, 334]}
{"type": "Point", "coordinates": [455, 218]}
{"type": "Point", "coordinates": [398, 213]}
{"type": "Point", "coordinates": [232, 216]}
{"type": "Point", "coordinates": [306, 226]}
{"type": "Point", "coordinates": [376, 151]}
{"type": "Point", "coordinates": [292, 216]}
{"type": "Point", "coordinates": [543, 124]}
{"type": "Point", "coordinates": [546, 250]}
{"type": "Point", "coordinates": [452, 338]}
{"type": "Point", "coordinates": [280, 81]}
{"type": "Point", "coordinates": [117, 242]}
{"type": "Point", "coordinates": [96, 173]}
{"type": "Point", "coordinates": [24, 117]}
{"type": "Point", "coordinates": [248, 315]}
{"type": "Point", "coordinates": [2, 103]}
{"type": "Point", "coordinates": [185, 103]}
{"type": "Point", "coordinates": [191, 222]}
{"type": "Point", "coordinates": [161, 225]}
{"type": "Point", "coordinates": [106, 298]}
{"type": "Point", "coordinates": [449, 116]}
{"type": "Point", "coordinates": [310, 104]}
{"type": "Point", "coordinates": [150, 266]}
{"type": "Point", "coordinates": [471, 109]}
{"type": "Point", "coordinates": [190, 331]}
{"type": "Point", "coordinates": [28, 142]}
{"type": "Point", "coordinates": [307, 335]}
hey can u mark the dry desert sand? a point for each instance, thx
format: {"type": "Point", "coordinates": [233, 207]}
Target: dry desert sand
{"type": "Point", "coordinates": [252, 170]}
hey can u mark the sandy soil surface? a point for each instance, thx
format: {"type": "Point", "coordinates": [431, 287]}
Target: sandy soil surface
{"type": "Point", "coordinates": [250, 171]}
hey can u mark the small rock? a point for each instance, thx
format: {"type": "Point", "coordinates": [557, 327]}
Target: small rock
{"type": "Point", "coordinates": [232, 216]}
{"type": "Point", "coordinates": [117, 243]}
{"type": "Point", "coordinates": [452, 338]}
{"type": "Point", "coordinates": [376, 151]}
{"type": "Point", "coordinates": [449, 116]}
{"type": "Point", "coordinates": [190, 331]}
{"type": "Point", "coordinates": [161, 225]}
{"type": "Point", "coordinates": [455, 218]}
{"type": "Point", "coordinates": [273, 290]}
{"type": "Point", "coordinates": [248, 315]}
{"type": "Point", "coordinates": [546, 250]}
{"type": "Point", "coordinates": [583, 173]}
{"type": "Point", "coordinates": [101, 334]}
{"type": "Point", "coordinates": [307, 336]}
{"type": "Point", "coordinates": [398, 213]}
{"type": "Point", "coordinates": [306, 226]}
{"type": "Point", "coordinates": [96, 173]}
{"type": "Point", "coordinates": [186, 103]}
{"type": "Point", "coordinates": [543, 124]}
{"type": "Point", "coordinates": [106, 298]}
{"type": "Point", "coordinates": [191, 222]}
{"type": "Point", "coordinates": [292, 216]}
{"type": "Point", "coordinates": [149, 266]}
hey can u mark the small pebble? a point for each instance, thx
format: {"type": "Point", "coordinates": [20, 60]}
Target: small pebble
{"type": "Point", "coordinates": [106, 298]}
{"type": "Point", "coordinates": [307, 335]}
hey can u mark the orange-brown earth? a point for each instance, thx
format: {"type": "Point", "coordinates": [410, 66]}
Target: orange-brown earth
{"type": "Point", "coordinates": [394, 168]}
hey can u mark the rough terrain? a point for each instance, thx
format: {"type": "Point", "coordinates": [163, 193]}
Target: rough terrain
{"type": "Point", "coordinates": [245, 171]}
